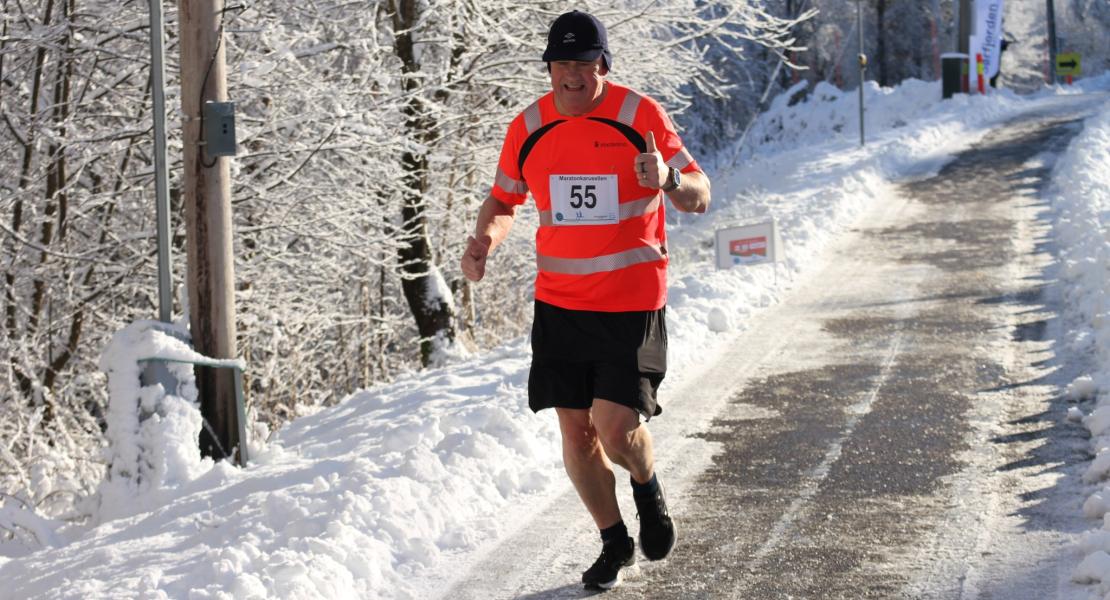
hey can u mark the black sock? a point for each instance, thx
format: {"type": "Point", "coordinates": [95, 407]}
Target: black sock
{"type": "Point", "coordinates": [616, 532]}
{"type": "Point", "coordinates": [645, 489]}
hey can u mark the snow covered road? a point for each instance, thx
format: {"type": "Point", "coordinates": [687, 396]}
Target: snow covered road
{"type": "Point", "coordinates": [891, 429]}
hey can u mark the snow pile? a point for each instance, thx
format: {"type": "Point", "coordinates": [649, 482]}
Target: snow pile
{"type": "Point", "coordinates": [152, 434]}
{"type": "Point", "coordinates": [26, 526]}
{"type": "Point", "coordinates": [1094, 566]}
{"type": "Point", "coordinates": [1081, 201]}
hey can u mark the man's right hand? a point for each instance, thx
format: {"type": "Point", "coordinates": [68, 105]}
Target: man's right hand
{"type": "Point", "coordinates": [474, 258]}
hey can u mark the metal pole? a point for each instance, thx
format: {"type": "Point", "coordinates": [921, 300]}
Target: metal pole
{"type": "Point", "coordinates": [161, 177]}
{"type": "Point", "coordinates": [862, 66]}
{"type": "Point", "coordinates": [1050, 15]}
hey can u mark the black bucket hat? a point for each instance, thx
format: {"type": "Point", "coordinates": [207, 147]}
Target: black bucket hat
{"type": "Point", "coordinates": [577, 36]}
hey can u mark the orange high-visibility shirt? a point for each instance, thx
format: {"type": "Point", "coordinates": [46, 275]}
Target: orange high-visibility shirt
{"type": "Point", "coordinates": [601, 244]}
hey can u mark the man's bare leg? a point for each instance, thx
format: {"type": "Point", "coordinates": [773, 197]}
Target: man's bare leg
{"type": "Point", "coordinates": [588, 467]}
{"type": "Point", "coordinates": [629, 444]}
{"type": "Point", "coordinates": [626, 441]}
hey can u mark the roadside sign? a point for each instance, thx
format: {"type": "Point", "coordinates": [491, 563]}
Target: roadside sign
{"type": "Point", "coordinates": [1067, 63]}
{"type": "Point", "coordinates": [749, 244]}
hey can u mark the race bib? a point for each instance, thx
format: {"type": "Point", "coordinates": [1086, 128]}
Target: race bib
{"type": "Point", "coordinates": [584, 200]}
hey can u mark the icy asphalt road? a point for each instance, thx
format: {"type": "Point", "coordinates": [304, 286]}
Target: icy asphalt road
{"type": "Point", "coordinates": [892, 429]}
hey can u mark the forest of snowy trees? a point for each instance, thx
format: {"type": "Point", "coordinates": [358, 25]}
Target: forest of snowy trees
{"type": "Point", "coordinates": [367, 133]}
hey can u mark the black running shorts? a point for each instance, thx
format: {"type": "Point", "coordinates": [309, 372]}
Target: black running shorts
{"type": "Point", "coordinates": [579, 355]}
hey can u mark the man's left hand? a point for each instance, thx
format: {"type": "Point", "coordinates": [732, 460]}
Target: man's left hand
{"type": "Point", "coordinates": [651, 171]}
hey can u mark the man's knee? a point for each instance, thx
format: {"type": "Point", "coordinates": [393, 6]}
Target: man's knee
{"type": "Point", "coordinates": [579, 436]}
{"type": "Point", "coordinates": [617, 438]}
{"type": "Point", "coordinates": [616, 426]}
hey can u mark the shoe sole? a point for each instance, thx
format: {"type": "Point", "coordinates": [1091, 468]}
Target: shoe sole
{"type": "Point", "coordinates": [608, 585]}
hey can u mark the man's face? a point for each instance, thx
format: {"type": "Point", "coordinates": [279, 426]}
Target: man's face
{"type": "Point", "coordinates": [578, 85]}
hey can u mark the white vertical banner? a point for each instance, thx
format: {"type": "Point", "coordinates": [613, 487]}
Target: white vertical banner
{"type": "Point", "coordinates": [987, 35]}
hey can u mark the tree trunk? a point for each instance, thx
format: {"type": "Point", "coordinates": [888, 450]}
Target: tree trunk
{"type": "Point", "coordinates": [28, 142]}
{"type": "Point", "coordinates": [434, 314]}
{"type": "Point", "coordinates": [58, 200]}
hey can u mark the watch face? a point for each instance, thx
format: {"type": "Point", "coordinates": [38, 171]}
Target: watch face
{"type": "Point", "coordinates": [675, 180]}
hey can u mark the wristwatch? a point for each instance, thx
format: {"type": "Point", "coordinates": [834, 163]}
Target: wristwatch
{"type": "Point", "coordinates": [674, 179]}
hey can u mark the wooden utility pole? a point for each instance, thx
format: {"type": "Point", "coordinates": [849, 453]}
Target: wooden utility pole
{"type": "Point", "coordinates": [963, 42]}
{"type": "Point", "coordinates": [207, 196]}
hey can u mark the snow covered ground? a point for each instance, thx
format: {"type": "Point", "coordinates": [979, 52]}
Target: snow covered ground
{"type": "Point", "coordinates": [386, 494]}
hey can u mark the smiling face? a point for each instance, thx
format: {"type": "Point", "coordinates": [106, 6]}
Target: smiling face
{"type": "Point", "coordinates": [579, 86]}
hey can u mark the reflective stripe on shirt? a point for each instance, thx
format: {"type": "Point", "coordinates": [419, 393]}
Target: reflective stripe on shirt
{"type": "Point", "coordinates": [627, 112]}
{"type": "Point", "coordinates": [532, 117]}
{"type": "Point", "coordinates": [639, 207]}
{"type": "Point", "coordinates": [599, 264]}
{"type": "Point", "coordinates": [680, 159]}
{"type": "Point", "coordinates": [509, 184]}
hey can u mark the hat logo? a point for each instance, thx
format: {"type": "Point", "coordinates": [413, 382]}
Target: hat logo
{"type": "Point", "coordinates": [568, 38]}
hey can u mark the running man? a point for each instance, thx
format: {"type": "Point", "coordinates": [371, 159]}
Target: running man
{"type": "Point", "coordinates": [597, 158]}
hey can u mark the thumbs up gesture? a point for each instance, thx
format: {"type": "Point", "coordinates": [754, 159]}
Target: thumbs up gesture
{"type": "Point", "coordinates": [651, 171]}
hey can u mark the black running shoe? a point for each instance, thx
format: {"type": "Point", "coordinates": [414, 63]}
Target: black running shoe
{"type": "Point", "coordinates": [605, 573]}
{"type": "Point", "coordinates": [657, 534]}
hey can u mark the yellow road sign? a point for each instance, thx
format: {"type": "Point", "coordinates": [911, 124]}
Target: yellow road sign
{"type": "Point", "coordinates": [1067, 64]}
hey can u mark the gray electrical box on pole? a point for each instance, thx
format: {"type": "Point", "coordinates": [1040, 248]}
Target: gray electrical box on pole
{"type": "Point", "coordinates": [207, 195]}
{"type": "Point", "coordinates": [219, 128]}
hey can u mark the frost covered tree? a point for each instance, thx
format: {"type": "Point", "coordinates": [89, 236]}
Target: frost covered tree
{"type": "Point", "coordinates": [745, 70]}
{"type": "Point", "coordinates": [901, 39]}
{"type": "Point", "coordinates": [75, 249]}
{"type": "Point", "coordinates": [899, 48]}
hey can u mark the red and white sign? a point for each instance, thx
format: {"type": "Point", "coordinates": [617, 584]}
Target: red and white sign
{"type": "Point", "coordinates": [747, 247]}
{"type": "Point", "coordinates": [747, 244]}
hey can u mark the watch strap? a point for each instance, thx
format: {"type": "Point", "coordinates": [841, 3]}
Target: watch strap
{"type": "Point", "coordinates": [673, 179]}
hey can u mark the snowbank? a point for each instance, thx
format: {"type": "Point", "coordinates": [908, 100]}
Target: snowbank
{"type": "Point", "coordinates": [1081, 201]}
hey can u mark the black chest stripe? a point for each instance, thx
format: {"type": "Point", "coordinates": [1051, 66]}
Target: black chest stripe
{"type": "Point", "coordinates": [529, 143]}
{"type": "Point", "coordinates": [631, 134]}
